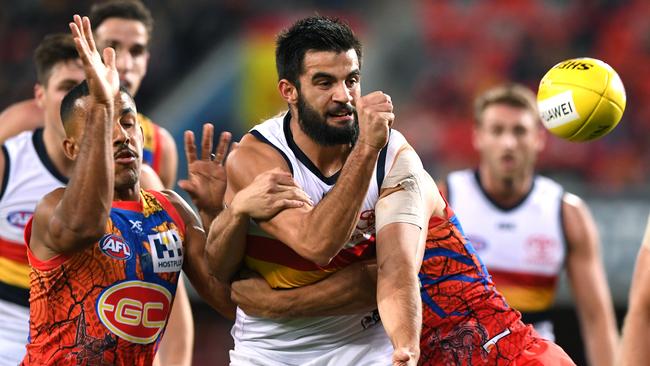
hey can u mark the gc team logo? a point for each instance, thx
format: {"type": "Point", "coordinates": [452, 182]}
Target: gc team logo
{"type": "Point", "coordinates": [115, 247]}
{"type": "Point", "coordinates": [19, 219]}
{"type": "Point", "coordinates": [135, 311]}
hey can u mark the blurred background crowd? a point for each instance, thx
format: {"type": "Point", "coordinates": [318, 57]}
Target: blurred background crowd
{"type": "Point", "coordinates": [213, 61]}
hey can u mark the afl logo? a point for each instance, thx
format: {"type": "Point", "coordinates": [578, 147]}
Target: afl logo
{"type": "Point", "coordinates": [135, 311]}
{"type": "Point", "coordinates": [19, 219]}
{"type": "Point", "coordinates": [115, 247]}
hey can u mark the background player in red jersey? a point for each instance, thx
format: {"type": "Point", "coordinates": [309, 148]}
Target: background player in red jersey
{"type": "Point", "coordinates": [106, 255]}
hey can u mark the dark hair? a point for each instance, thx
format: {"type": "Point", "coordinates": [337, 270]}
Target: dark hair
{"type": "Point", "coordinates": [55, 48]}
{"type": "Point", "coordinates": [79, 91]}
{"type": "Point", "coordinates": [318, 33]}
{"type": "Point", "coordinates": [123, 9]}
{"type": "Point", "coordinates": [514, 95]}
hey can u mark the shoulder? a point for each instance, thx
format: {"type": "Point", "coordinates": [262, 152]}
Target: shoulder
{"type": "Point", "coordinates": [578, 224]}
{"type": "Point", "coordinates": [18, 117]}
{"type": "Point", "coordinates": [253, 157]}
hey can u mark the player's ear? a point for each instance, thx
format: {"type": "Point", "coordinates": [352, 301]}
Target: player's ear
{"type": "Point", "coordinates": [288, 91]}
{"type": "Point", "coordinates": [542, 135]}
{"type": "Point", "coordinates": [39, 94]}
{"type": "Point", "coordinates": [70, 148]}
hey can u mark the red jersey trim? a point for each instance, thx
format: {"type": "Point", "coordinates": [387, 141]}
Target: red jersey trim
{"type": "Point", "coordinates": [128, 205]}
{"type": "Point", "coordinates": [14, 251]}
{"type": "Point", "coordinates": [522, 279]}
{"type": "Point", "coordinates": [171, 210]}
{"type": "Point", "coordinates": [46, 265]}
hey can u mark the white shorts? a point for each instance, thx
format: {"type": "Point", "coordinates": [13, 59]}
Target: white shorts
{"type": "Point", "coordinates": [366, 351]}
{"type": "Point", "coordinates": [14, 332]}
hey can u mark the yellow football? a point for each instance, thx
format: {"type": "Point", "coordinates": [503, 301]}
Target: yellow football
{"type": "Point", "coordinates": [581, 99]}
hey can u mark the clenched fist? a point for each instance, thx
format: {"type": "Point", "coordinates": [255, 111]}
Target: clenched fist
{"type": "Point", "coordinates": [375, 113]}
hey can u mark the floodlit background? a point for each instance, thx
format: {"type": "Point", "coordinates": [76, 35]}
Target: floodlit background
{"type": "Point", "coordinates": [213, 61]}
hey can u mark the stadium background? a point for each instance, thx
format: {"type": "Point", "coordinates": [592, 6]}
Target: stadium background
{"type": "Point", "coordinates": [213, 61]}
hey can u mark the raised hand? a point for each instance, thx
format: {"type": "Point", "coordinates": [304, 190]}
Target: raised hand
{"type": "Point", "coordinates": [375, 113]}
{"type": "Point", "coordinates": [270, 193]}
{"type": "Point", "coordinates": [103, 79]}
{"type": "Point", "coordinates": [206, 175]}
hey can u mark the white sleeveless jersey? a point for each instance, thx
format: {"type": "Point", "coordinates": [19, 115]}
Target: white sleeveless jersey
{"type": "Point", "coordinates": [523, 247]}
{"type": "Point", "coordinates": [299, 341]}
{"type": "Point", "coordinates": [29, 175]}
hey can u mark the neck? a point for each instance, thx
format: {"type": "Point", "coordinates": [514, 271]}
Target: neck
{"type": "Point", "coordinates": [53, 140]}
{"type": "Point", "coordinates": [129, 193]}
{"type": "Point", "coordinates": [505, 191]}
{"type": "Point", "coordinates": [328, 159]}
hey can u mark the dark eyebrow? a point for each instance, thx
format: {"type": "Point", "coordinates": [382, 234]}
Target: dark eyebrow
{"type": "Point", "coordinates": [356, 72]}
{"type": "Point", "coordinates": [322, 75]}
{"type": "Point", "coordinates": [127, 110]}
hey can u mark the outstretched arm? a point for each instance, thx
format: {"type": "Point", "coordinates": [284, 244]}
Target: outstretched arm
{"type": "Point", "coordinates": [589, 283]}
{"type": "Point", "coordinates": [62, 225]}
{"type": "Point", "coordinates": [635, 347]}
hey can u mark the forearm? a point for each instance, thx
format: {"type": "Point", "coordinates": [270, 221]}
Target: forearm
{"type": "Point", "coordinates": [226, 244]}
{"type": "Point", "coordinates": [73, 223]}
{"type": "Point", "coordinates": [329, 225]}
{"type": "Point", "coordinates": [635, 347]}
{"type": "Point", "coordinates": [400, 308]}
{"type": "Point", "coordinates": [351, 290]}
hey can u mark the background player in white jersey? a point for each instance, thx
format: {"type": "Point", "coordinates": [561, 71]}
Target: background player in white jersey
{"type": "Point", "coordinates": [635, 348]}
{"type": "Point", "coordinates": [31, 165]}
{"type": "Point", "coordinates": [341, 162]}
{"type": "Point", "coordinates": [525, 227]}
{"type": "Point", "coordinates": [126, 26]}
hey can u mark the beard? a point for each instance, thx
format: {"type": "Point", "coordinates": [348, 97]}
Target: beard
{"type": "Point", "coordinates": [315, 125]}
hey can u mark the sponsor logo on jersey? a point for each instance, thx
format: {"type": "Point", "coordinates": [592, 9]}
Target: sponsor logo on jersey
{"type": "Point", "coordinates": [135, 311]}
{"type": "Point", "coordinates": [19, 219]}
{"type": "Point", "coordinates": [115, 247]}
{"type": "Point", "coordinates": [166, 251]}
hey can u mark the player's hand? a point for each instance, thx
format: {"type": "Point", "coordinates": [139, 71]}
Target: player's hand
{"type": "Point", "coordinates": [254, 295]}
{"type": "Point", "coordinates": [404, 357]}
{"type": "Point", "coordinates": [375, 113]}
{"type": "Point", "coordinates": [206, 175]}
{"type": "Point", "coordinates": [270, 193]}
{"type": "Point", "coordinates": [103, 79]}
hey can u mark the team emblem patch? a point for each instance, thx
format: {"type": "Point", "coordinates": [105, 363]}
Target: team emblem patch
{"type": "Point", "coordinates": [115, 247]}
{"type": "Point", "coordinates": [135, 311]}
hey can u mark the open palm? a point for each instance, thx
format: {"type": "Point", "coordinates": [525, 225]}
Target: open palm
{"type": "Point", "coordinates": [103, 79]}
{"type": "Point", "coordinates": [206, 175]}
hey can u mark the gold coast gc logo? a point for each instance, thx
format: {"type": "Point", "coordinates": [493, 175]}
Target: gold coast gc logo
{"type": "Point", "coordinates": [135, 311]}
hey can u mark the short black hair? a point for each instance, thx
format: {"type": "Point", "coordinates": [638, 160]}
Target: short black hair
{"type": "Point", "coordinates": [79, 91]}
{"type": "Point", "coordinates": [123, 9]}
{"type": "Point", "coordinates": [53, 49]}
{"type": "Point", "coordinates": [317, 33]}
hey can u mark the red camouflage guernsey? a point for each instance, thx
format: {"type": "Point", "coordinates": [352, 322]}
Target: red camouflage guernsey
{"type": "Point", "coordinates": [108, 304]}
{"type": "Point", "coordinates": [465, 321]}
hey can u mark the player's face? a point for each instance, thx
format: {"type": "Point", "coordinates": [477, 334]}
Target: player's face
{"type": "Point", "coordinates": [508, 139]}
{"type": "Point", "coordinates": [329, 88]}
{"type": "Point", "coordinates": [127, 143]}
{"type": "Point", "coordinates": [129, 38]}
{"type": "Point", "coordinates": [63, 77]}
